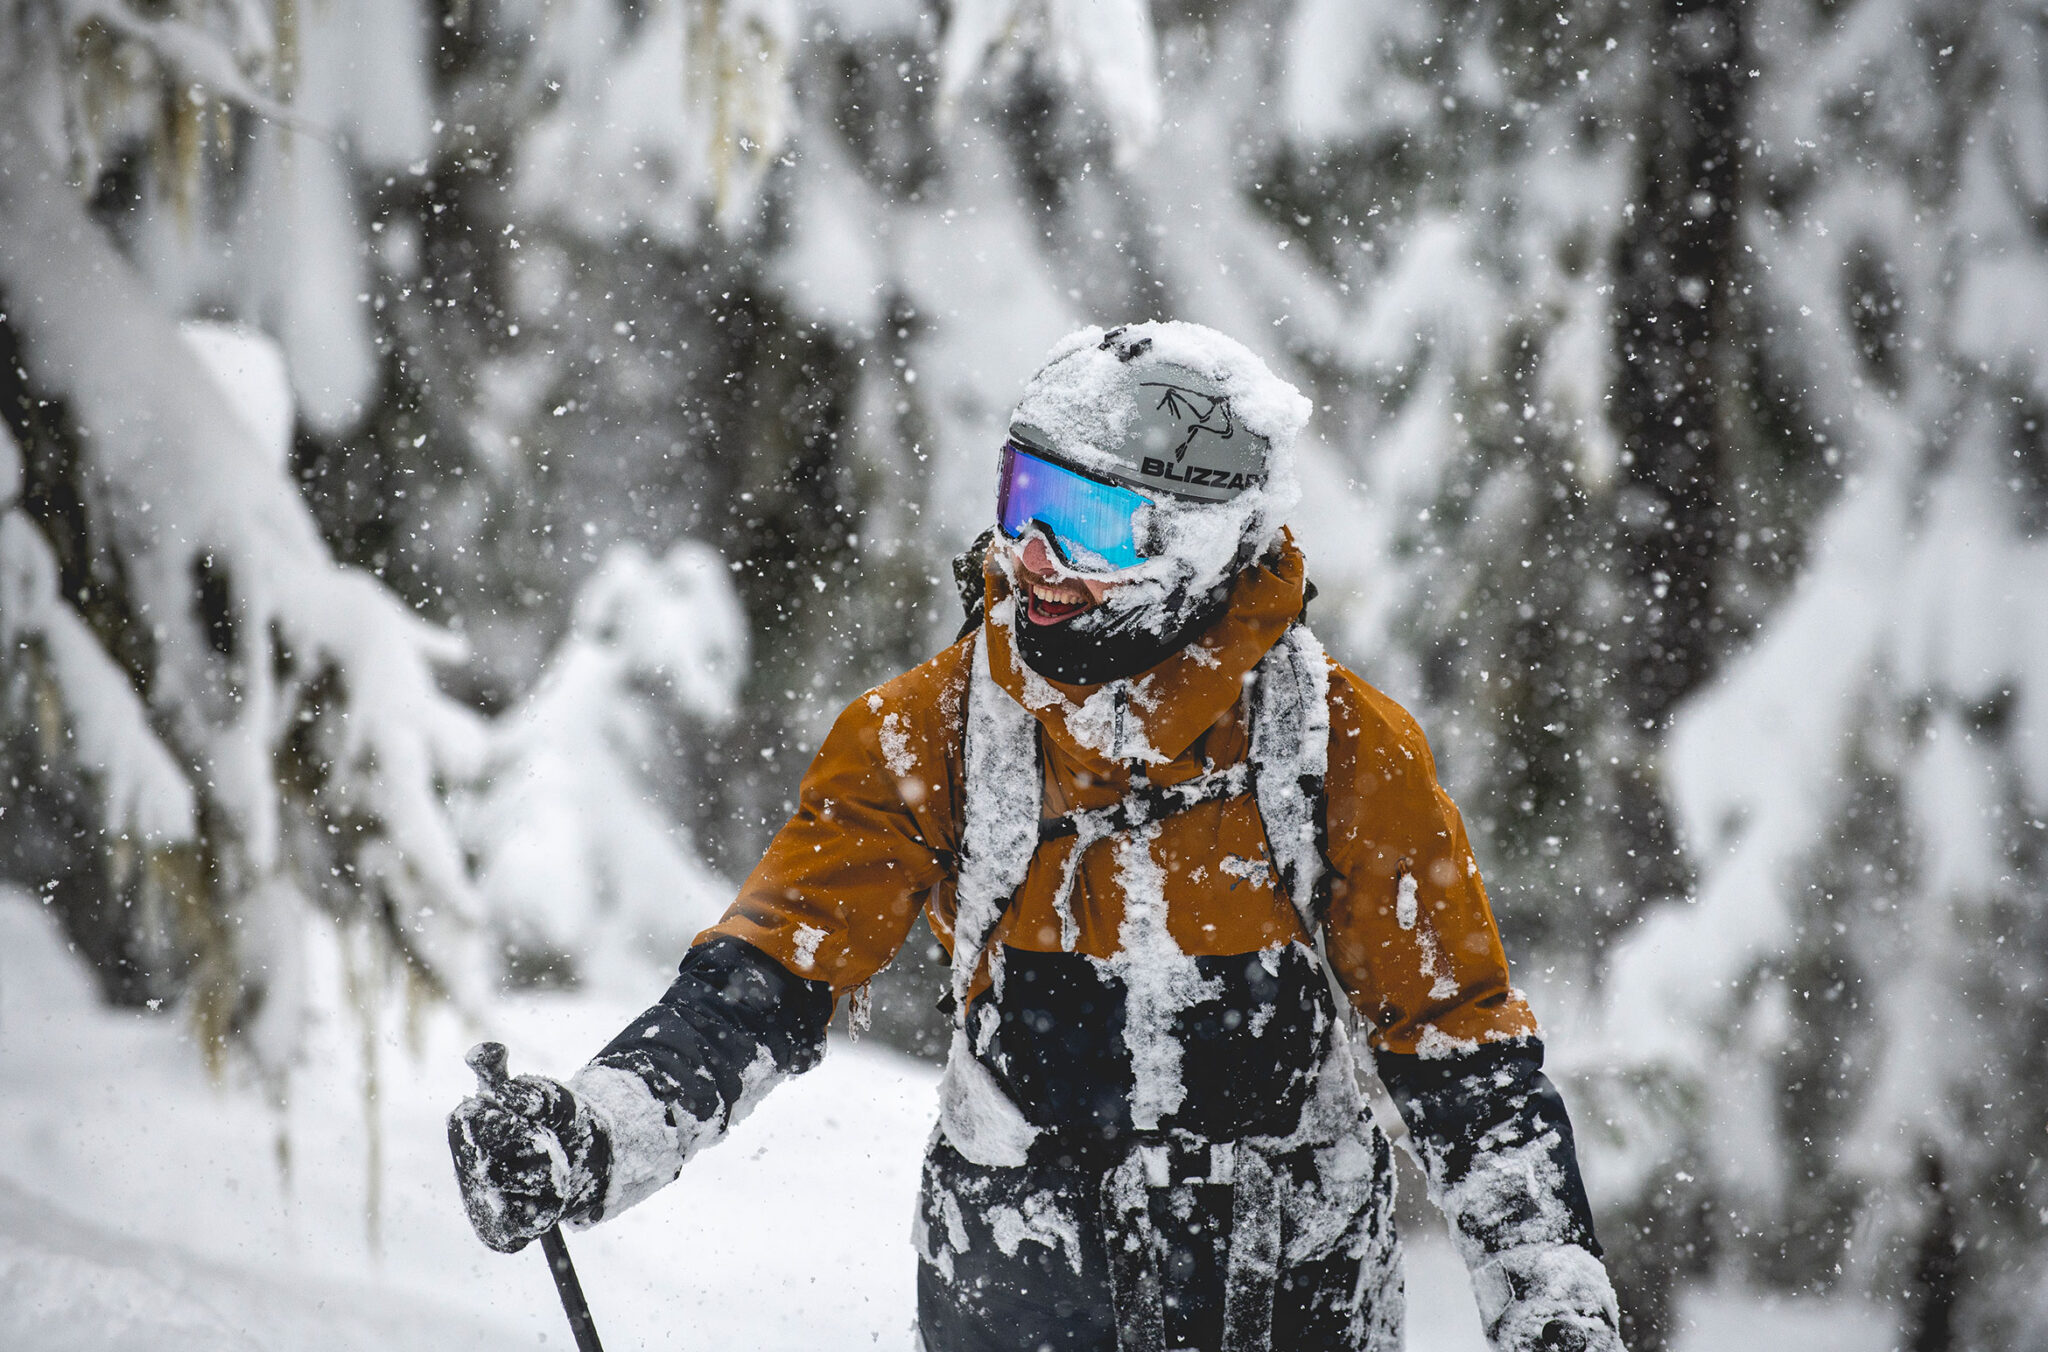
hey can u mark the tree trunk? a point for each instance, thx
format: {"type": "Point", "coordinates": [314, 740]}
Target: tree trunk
{"type": "Point", "coordinates": [1675, 274]}
{"type": "Point", "coordinates": [1931, 1296]}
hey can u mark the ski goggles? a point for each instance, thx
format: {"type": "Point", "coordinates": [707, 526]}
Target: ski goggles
{"type": "Point", "coordinates": [1091, 523]}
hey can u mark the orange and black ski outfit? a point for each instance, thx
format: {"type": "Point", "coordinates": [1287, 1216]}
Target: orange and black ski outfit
{"type": "Point", "coordinates": [1173, 886]}
{"type": "Point", "coordinates": [1247, 1203]}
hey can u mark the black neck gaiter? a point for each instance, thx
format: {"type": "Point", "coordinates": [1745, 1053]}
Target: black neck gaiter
{"type": "Point", "coordinates": [1088, 656]}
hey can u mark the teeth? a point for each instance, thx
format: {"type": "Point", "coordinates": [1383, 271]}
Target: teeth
{"type": "Point", "coordinates": [1058, 597]}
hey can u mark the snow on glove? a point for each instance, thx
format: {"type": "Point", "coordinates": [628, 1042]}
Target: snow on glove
{"type": "Point", "coordinates": [1547, 1298]}
{"type": "Point", "coordinates": [528, 1154]}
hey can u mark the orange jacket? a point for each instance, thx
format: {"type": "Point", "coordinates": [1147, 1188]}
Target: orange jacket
{"type": "Point", "coordinates": [878, 825]}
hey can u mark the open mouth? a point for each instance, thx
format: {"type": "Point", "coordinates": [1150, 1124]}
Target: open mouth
{"type": "Point", "coordinates": [1050, 605]}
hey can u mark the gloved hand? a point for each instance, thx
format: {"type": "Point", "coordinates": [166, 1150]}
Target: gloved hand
{"type": "Point", "coordinates": [528, 1154]}
{"type": "Point", "coordinates": [1547, 1298]}
{"type": "Point", "coordinates": [1578, 1333]}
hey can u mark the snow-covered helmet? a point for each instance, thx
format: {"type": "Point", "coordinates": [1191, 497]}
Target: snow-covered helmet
{"type": "Point", "coordinates": [1118, 407]}
{"type": "Point", "coordinates": [1161, 452]}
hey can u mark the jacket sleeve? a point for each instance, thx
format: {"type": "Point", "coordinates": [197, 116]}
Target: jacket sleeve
{"type": "Point", "coordinates": [874, 832]}
{"type": "Point", "coordinates": [1491, 1133]}
{"type": "Point", "coordinates": [1413, 940]}
{"type": "Point", "coordinates": [1410, 933]}
{"type": "Point", "coordinates": [734, 1023]}
{"type": "Point", "coordinates": [829, 904]}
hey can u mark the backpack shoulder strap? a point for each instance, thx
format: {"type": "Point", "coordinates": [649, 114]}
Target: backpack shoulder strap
{"type": "Point", "coordinates": [1291, 764]}
{"type": "Point", "coordinates": [999, 826]}
{"type": "Point", "coordinates": [1290, 754]}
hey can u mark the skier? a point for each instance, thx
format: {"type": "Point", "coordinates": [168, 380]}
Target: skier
{"type": "Point", "coordinates": [1166, 841]}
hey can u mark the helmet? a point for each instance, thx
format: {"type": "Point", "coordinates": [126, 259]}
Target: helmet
{"type": "Point", "coordinates": [1187, 418]}
{"type": "Point", "coordinates": [1160, 452]}
{"type": "Point", "coordinates": [1157, 425]}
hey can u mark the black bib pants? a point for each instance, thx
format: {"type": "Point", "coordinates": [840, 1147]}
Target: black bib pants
{"type": "Point", "coordinates": [1020, 1260]}
{"type": "Point", "coordinates": [1214, 1233]}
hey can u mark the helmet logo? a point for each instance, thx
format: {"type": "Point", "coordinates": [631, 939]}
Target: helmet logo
{"type": "Point", "coordinates": [1195, 411]}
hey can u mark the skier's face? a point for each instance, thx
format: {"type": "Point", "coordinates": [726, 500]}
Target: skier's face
{"type": "Point", "coordinates": [1053, 593]}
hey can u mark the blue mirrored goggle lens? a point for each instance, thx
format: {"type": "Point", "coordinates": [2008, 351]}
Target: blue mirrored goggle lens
{"type": "Point", "coordinates": [1091, 522]}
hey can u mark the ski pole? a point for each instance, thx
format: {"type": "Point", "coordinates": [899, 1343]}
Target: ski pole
{"type": "Point", "coordinates": [570, 1290]}
{"type": "Point", "coordinates": [488, 1060]}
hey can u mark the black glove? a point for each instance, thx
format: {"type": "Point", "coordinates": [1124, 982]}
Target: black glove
{"type": "Point", "coordinates": [528, 1154]}
{"type": "Point", "coordinates": [1584, 1333]}
{"type": "Point", "coordinates": [1547, 1298]}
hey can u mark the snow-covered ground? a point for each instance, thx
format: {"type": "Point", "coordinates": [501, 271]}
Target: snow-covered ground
{"type": "Point", "coordinates": [143, 1209]}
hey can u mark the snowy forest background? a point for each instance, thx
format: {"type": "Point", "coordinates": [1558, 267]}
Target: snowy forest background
{"type": "Point", "coordinates": [456, 457]}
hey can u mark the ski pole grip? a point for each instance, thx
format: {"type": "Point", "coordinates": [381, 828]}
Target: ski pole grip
{"type": "Point", "coordinates": [489, 1061]}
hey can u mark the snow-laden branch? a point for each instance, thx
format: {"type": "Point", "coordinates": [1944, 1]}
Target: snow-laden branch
{"type": "Point", "coordinates": [143, 788]}
{"type": "Point", "coordinates": [1105, 49]}
{"type": "Point", "coordinates": [578, 854]}
{"type": "Point", "coordinates": [289, 644]}
{"type": "Point", "coordinates": [197, 55]}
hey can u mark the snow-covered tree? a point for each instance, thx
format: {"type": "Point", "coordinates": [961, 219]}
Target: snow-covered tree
{"type": "Point", "coordinates": [579, 854]}
{"type": "Point", "coordinates": [223, 730]}
{"type": "Point", "coordinates": [1853, 1000]}
{"type": "Point", "coordinates": [321, 172]}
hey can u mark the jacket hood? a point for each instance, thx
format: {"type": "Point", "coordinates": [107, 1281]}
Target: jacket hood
{"type": "Point", "coordinates": [1154, 717]}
